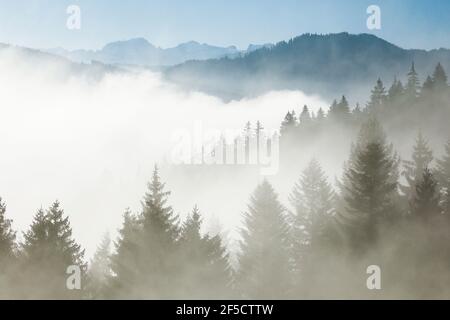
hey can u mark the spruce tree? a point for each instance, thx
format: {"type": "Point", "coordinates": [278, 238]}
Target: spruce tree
{"type": "Point", "coordinates": [7, 254]}
{"type": "Point", "coordinates": [378, 97]}
{"type": "Point", "coordinates": [340, 112]}
{"type": "Point", "coordinates": [369, 188]}
{"type": "Point", "coordinates": [426, 201]}
{"type": "Point", "coordinates": [320, 115]}
{"type": "Point", "coordinates": [333, 108]}
{"type": "Point", "coordinates": [145, 264]}
{"type": "Point", "coordinates": [395, 91]}
{"type": "Point", "coordinates": [99, 273]}
{"type": "Point", "coordinates": [7, 238]}
{"type": "Point", "coordinates": [125, 282]}
{"type": "Point", "coordinates": [357, 114]}
{"type": "Point", "coordinates": [264, 267]}
{"type": "Point", "coordinates": [427, 87]}
{"type": "Point", "coordinates": [313, 201]}
{"type": "Point", "coordinates": [422, 157]}
{"type": "Point", "coordinates": [305, 116]}
{"type": "Point", "coordinates": [289, 123]}
{"type": "Point", "coordinates": [158, 249]}
{"type": "Point", "coordinates": [206, 272]}
{"type": "Point", "coordinates": [443, 176]}
{"type": "Point", "coordinates": [412, 86]}
{"type": "Point", "coordinates": [439, 78]}
{"type": "Point", "coordinates": [47, 252]}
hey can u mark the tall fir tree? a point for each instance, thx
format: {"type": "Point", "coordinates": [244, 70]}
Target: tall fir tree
{"type": "Point", "coordinates": [333, 109]}
{"type": "Point", "coordinates": [158, 249]}
{"type": "Point", "coordinates": [125, 282]}
{"type": "Point", "coordinates": [206, 272]}
{"type": "Point", "coordinates": [378, 97]}
{"type": "Point", "coordinates": [340, 111]}
{"type": "Point", "coordinates": [320, 115]}
{"type": "Point", "coordinates": [264, 267]}
{"type": "Point", "coordinates": [439, 78]}
{"type": "Point", "coordinates": [99, 273]}
{"type": "Point", "coordinates": [426, 200]}
{"type": "Point", "coordinates": [369, 188]}
{"type": "Point", "coordinates": [427, 87]}
{"type": "Point", "coordinates": [289, 123]}
{"type": "Point", "coordinates": [395, 92]}
{"type": "Point", "coordinates": [7, 253]}
{"type": "Point", "coordinates": [305, 116]}
{"type": "Point", "coordinates": [422, 157]}
{"type": "Point", "coordinates": [443, 176]}
{"type": "Point", "coordinates": [313, 201]}
{"type": "Point", "coordinates": [7, 238]}
{"type": "Point", "coordinates": [49, 249]}
{"type": "Point", "coordinates": [412, 86]}
{"type": "Point", "coordinates": [145, 264]}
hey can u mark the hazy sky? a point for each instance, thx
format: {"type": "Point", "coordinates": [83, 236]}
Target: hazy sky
{"type": "Point", "coordinates": [42, 23]}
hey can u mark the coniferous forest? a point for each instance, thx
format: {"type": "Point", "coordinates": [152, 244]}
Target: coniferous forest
{"type": "Point", "coordinates": [384, 210]}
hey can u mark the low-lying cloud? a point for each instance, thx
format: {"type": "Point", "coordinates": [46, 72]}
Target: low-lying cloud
{"type": "Point", "coordinates": [92, 144]}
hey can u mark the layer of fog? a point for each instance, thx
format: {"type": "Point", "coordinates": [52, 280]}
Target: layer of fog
{"type": "Point", "coordinates": [93, 145]}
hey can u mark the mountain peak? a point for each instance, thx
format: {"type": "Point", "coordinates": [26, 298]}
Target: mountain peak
{"type": "Point", "coordinates": [134, 42]}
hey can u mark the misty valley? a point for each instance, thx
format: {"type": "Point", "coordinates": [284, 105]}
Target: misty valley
{"type": "Point", "coordinates": [348, 200]}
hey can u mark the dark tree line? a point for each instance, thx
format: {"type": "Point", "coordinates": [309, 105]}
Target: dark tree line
{"type": "Point", "coordinates": [383, 211]}
{"type": "Point", "coordinates": [318, 249]}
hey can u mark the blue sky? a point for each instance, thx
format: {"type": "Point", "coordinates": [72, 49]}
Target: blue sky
{"type": "Point", "coordinates": [42, 23]}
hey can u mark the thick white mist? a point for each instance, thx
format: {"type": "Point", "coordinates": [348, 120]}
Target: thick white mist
{"type": "Point", "coordinates": [92, 144]}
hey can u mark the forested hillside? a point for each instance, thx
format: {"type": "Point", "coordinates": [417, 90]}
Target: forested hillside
{"type": "Point", "coordinates": [326, 65]}
{"type": "Point", "coordinates": [384, 210]}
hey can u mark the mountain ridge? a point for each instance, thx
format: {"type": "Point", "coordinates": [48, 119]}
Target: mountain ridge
{"type": "Point", "coordinates": [328, 65]}
{"type": "Point", "coordinates": [139, 51]}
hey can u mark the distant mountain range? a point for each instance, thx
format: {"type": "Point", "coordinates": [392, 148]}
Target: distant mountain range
{"type": "Point", "coordinates": [328, 65]}
{"type": "Point", "coordinates": [141, 52]}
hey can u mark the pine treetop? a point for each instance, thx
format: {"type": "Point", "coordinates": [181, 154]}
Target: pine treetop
{"type": "Point", "coordinates": [412, 86]}
{"type": "Point", "coordinates": [439, 77]}
{"type": "Point", "coordinates": [426, 201]}
{"type": "Point", "coordinates": [7, 235]}
{"type": "Point", "coordinates": [157, 216]}
{"type": "Point", "coordinates": [50, 236]}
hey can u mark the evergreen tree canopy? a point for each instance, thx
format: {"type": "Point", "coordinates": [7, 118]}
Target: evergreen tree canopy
{"type": "Point", "coordinates": [395, 91]}
{"type": "Point", "coordinates": [426, 201]}
{"type": "Point", "coordinates": [305, 116]}
{"type": "Point", "coordinates": [378, 96]}
{"type": "Point", "coordinates": [439, 77]}
{"type": "Point", "coordinates": [412, 87]}
{"type": "Point", "coordinates": [7, 253]}
{"type": "Point", "coordinates": [7, 237]}
{"type": "Point", "coordinates": [312, 198]}
{"type": "Point", "coordinates": [125, 261]}
{"type": "Point", "coordinates": [159, 222]}
{"type": "Point", "coordinates": [369, 187]}
{"type": "Point", "coordinates": [48, 250]}
{"type": "Point", "coordinates": [320, 114]}
{"type": "Point", "coordinates": [428, 85]}
{"type": "Point", "coordinates": [340, 112]}
{"type": "Point", "coordinates": [443, 175]}
{"type": "Point", "coordinates": [145, 264]}
{"type": "Point", "coordinates": [289, 123]}
{"type": "Point", "coordinates": [422, 157]}
{"type": "Point", "coordinates": [206, 271]}
{"type": "Point", "coordinates": [264, 266]}
{"type": "Point", "coordinates": [99, 272]}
